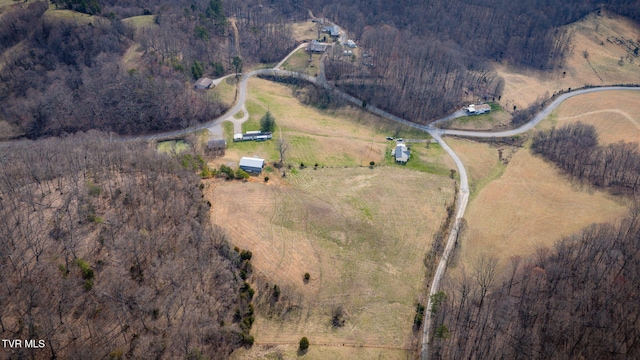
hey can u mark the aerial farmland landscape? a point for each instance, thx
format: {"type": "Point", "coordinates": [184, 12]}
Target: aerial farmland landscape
{"type": "Point", "coordinates": [244, 179]}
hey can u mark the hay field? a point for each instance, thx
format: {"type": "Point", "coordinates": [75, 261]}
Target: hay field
{"type": "Point", "coordinates": [361, 234]}
{"type": "Point", "coordinates": [344, 137]}
{"type": "Point", "coordinates": [531, 205]}
{"type": "Point", "coordinates": [141, 21]}
{"type": "Point", "coordinates": [616, 115]}
{"type": "Point", "coordinates": [596, 35]}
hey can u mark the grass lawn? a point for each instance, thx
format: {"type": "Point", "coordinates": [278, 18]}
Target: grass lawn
{"type": "Point", "coordinates": [172, 146]}
{"type": "Point", "coordinates": [224, 92]}
{"type": "Point", "coordinates": [299, 62]}
{"type": "Point", "coordinates": [141, 21]}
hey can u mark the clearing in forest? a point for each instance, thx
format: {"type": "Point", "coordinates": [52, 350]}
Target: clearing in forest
{"type": "Point", "coordinates": [360, 233]}
{"type": "Point", "coordinates": [599, 55]}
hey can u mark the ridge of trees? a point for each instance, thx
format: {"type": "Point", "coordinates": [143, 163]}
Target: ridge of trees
{"type": "Point", "coordinates": [574, 149]}
{"type": "Point", "coordinates": [108, 251]}
{"type": "Point", "coordinates": [578, 300]}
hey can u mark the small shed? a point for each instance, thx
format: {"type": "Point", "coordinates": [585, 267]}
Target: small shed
{"type": "Point", "coordinates": [252, 164]}
{"type": "Point", "coordinates": [401, 153]}
{"type": "Point", "coordinates": [316, 47]}
{"type": "Point", "coordinates": [216, 146]}
{"type": "Point", "coordinates": [351, 44]}
{"type": "Point", "coordinates": [203, 84]}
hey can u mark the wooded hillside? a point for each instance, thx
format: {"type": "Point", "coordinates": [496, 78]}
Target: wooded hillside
{"type": "Point", "coordinates": [578, 300]}
{"type": "Point", "coordinates": [107, 251]}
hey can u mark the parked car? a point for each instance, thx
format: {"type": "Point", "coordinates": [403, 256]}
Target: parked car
{"type": "Point", "coordinates": [389, 138]}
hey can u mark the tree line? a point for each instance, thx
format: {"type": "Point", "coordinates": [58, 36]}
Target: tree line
{"type": "Point", "coordinates": [107, 250]}
{"type": "Point", "coordinates": [574, 149]}
{"type": "Point", "coordinates": [578, 300]}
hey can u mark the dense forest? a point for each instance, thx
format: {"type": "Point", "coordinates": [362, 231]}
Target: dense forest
{"type": "Point", "coordinates": [574, 149]}
{"type": "Point", "coordinates": [578, 300]}
{"type": "Point", "coordinates": [63, 76]}
{"type": "Point", "coordinates": [426, 58]}
{"type": "Point", "coordinates": [107, 251]}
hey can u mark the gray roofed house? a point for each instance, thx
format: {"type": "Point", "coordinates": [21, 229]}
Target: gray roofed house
{"type": "Point", "coordinates": [401, 153]}
{"type": "Point", "coordinates": [203, 83]}
{"type": "Point", "coordinates": [317, 47]}
{"type": "Point", "coordinates": [332, 30]}
{"type": "Point", "coordinates": [252, 164]}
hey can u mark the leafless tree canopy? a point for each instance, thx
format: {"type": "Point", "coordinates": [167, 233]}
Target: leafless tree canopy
{"type": "Point", "coordinates": [574, 148]}
{"type": "Point", "coordinates": [579, 300]}
{"type": "Point", "coordinates": [106, 250]}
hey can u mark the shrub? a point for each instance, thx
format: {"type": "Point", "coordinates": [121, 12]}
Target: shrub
{"type": "Point", "coordinates": [241, 174]}
{"type": "Point", "coordinates": [304, 344]}
{"type": "Point", "coordinates": [266, 179]}
{"type": "Point", "coordinates": [307, 277]}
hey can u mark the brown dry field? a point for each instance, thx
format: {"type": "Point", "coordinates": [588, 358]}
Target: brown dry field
{"type": "Point", "coordinates": [304, 31]}
{"type": "Point", "coordinates": [361, 235]}
{"type": "Point", "coordinates": [616, 115]}
{"type": "Point", "coordinates": [532, 204]}
{"type": "Point", "coordinates": [523, 87]}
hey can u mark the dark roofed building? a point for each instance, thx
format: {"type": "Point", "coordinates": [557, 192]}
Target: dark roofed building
{"type": "Point", "coordinates": [203, 84]}
{"type": "Point", "coordinates": [316, 47]}
{"type": "Point", "coordinates": [331, 30]}
{"type": "Point", "coordinates": [216, 147]}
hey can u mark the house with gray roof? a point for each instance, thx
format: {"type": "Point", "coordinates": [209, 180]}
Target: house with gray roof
{"type": "Point", "coordinates": [203, 83]}
{"type": "Point", "coordinates": [401, 153]}
{"type": "Point", "coordinates": [332, 30]}
{"type": "Point", "coordinates": [316, 47]}
{"type": "Point", "coordinates": [252, 164]}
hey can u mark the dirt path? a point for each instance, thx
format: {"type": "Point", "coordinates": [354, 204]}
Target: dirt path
{"type": "Point", "coordinates": [236, 35]}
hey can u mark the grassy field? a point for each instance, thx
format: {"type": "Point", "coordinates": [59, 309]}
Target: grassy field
{"type": "Point", "coordinates": [591, 34]}
{"type": "Point", "coordinates": [70, 15]}
{"type": "Point", "coordinates": [531, 203]}
{"type": "Point", "coordinates": [616, 115]}
{"type": "Point", "coordinates": [141, 21]}
{"type": "Point", "coordinates": [173, 146]}
{"type": "Point", "coordinates": [224, 92]}
{"type": "Point", "coordinates": [299, 62]}
{"type": "Point", "coordinates": [344, 137]}
{"type": "Point", "coordinates": [361, 235]}
{"type": "Point", "coordinates": [481, 160]}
